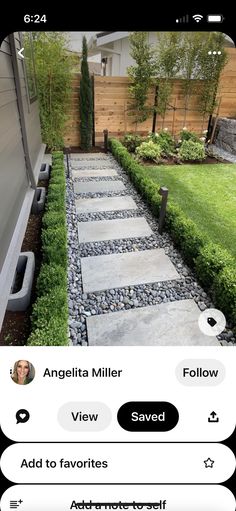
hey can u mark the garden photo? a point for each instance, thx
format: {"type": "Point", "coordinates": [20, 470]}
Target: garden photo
{"type": "Point", "coordinates": [118, 189]}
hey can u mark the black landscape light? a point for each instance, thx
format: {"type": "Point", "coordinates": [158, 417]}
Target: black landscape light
{"type": "Point", "coordinates": [164, 193]}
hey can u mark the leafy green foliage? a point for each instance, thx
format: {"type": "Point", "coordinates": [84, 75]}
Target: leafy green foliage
{"type": "Point", "coordinates": [86, 108]}
{"type": "Point", "coordinates": [186, 236]}
{"type": "Point", "coordinates": [51, 332]}
{"type": "Point", "coordinates": [168, 61]}
{"type": "Point", "coordinates": [140, 74]}
{"type": "Point", "coordinates": [177, 54]}
{"type": "Point", "coordinates": [211, 260]}
{"type": "Point", "coordinates": [164, 140]}
{"type": "Point", "coordinates": [224, 292]}
{"type": "Point", "coordinates": [190, 150]}
{"type": "Point", "coordinates": [51, 276]}
{"type": "Point", "coordinates": [53, 67]}
{"type": "Point", "coordinates": [149, 151]}
{"type": "Point", "coordinates": [188, 135]}
{"type": "Point", "coordinates": [211, 67]}
{"type": "Point", "coordinates": [50, 311]}
{"type": "Point", "coordinates": [131, 142]}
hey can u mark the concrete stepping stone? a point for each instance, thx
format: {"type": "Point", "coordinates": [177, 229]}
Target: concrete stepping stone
{"type": "Point", "coordinates": [77, 174]}
{"type": "Point", "coordinates": [88, 156]}
{"type": "Point", "coordinates": [100, 204]}
{"type": "Point", "coordinates": [166, 324]}
{"type": "Point", "coordinates": [92, 163]}
{"type": "Point", "coordinates": [118, 270]}
{"type": "Point", "coordinates": [98, 186]}
{"type": "Point", "coordinates": [102, 230]}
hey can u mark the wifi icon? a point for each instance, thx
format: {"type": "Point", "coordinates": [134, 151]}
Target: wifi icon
{"type": "Point", "coordinates": [197, 17]}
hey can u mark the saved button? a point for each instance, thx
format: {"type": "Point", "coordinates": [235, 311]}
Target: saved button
{"type": "Point", "coordinates": [148, 416]}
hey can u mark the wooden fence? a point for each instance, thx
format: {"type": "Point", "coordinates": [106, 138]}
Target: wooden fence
{"type": "Point", "coordinates": [72, 131]}
{"type": "Point", "coordinates": [112, 106]}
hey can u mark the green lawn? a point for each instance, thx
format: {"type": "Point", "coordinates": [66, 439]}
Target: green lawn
{"type": "Point", "coordinates": [207, 194]}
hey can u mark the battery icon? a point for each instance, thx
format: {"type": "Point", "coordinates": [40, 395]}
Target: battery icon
{"type": "Point", "coordinates": [215, 18]}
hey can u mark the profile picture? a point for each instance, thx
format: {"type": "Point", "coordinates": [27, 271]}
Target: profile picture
{"type": "Point", "coordinates": [23, 372]}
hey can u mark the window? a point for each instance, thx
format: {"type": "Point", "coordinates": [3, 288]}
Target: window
{"type": "Point", "coordinates": [29, 65]}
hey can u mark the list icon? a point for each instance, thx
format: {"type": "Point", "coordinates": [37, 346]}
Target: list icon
{"type": "Point", "coordinates": [14, 504]}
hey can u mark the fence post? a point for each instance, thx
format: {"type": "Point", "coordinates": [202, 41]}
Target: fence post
{"type": "Point", "coordinates": [164, 193]}
{"type": "Point", "coordinates": [105, 132]}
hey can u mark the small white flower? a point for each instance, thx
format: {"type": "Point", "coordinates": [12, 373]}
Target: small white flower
{"type": "Point", "coordinates": [166, 129]}
{"type": "Point", "coordinates": [202, 138]}
{"type": "Point", "coordinates": [204, 131]}
{"type": "Point", "coordinates": [180, 140]}
{"type": "Point", "coordinates": [184, 129]}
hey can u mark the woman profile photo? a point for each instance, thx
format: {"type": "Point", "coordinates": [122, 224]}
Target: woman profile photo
{"type": "Point", "coordinates": [23, 372]}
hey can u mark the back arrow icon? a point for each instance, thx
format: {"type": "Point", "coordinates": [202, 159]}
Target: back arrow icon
{"type": "Point", "coordinates": [20, 53]}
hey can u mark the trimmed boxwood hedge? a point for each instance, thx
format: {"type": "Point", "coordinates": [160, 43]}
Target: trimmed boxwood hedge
{"type": "Point", "coordinates": [49, 318]}
{"type": "Point", "coordinates": [214, 266]}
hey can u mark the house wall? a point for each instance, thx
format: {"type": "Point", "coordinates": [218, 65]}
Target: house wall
{"type": "Point", "coordinates": [124, 60]}
{"type": "Point", "coordinates": [16, 190]}
{"type": "Point", "coordinates": [13, 174]}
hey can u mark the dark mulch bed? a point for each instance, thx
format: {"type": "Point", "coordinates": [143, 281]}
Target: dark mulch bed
{"type": "Point", "coordinates": [16, 325]}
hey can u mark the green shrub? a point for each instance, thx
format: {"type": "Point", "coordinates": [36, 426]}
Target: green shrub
{"type": "Point", "coordinates": [190, 150]}
{"type": "Point", "coordinates": [165, 140]}
{"type": "Point", "coordinates": [56, 190]}
{"type": "Point", "coordinates": [85, 101]}
{"type": "Point", "coordinates": [54, 244]}
{"type": "Point", "coordinates": [53, 333]}
{"type": "Point", "coordinates": [56, 155]}
{"type": "Point", "coordinates": [55, 203]}
{"type": "Point", "coordinates": [58, 172]}
{"type": "Point", "coordinates": [187, 237]}
{"type": "Point", "coordinates": [50, 311]}
{"type": "Point", "coordinates": [49, 305]}
{"type": "Point", "coordinates": [211, 260]}
{"type": "Point", "coordinates": [131, 142]}
{"type": "Point", "coordinates": [188, 135]}
{"type": "Point", "coordinates": [51, 276]}
{"type": "Point", "coordinates": [149, 151]}
{"type": "Point", "coordinates": [57, 179]}
{"type": "Point", "coordinates": [224, 292]}
{"type": "Point", "coordinates": [53, 69]}
{"type": "Point", "coordinates": [53, 219]}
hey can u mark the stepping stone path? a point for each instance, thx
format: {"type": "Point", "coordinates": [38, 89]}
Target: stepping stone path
{"type": "Point", "coordinates": [99, 186]}
{"type": "Point", "coordinates": [102, 230]}
{"type": "Point", "coordinates": [105, 204]}
{"type": "Point", "coordinates": [94, 173]}
{"type": "Point", "coordinates": [120, 270]}
{"type": "Point", "coordinates": [173, 322]}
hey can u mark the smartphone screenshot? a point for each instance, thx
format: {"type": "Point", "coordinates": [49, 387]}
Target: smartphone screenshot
{"type": "Point", "coordinates": [117, 261]}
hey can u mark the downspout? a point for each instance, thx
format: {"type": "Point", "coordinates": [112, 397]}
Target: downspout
{"type": "Point", "coordinates": [29, 168]}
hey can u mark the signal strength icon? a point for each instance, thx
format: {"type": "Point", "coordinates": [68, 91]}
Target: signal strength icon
{"type": "Point", "coordinates": [185, 19]}
{"type": "Point", "coordinates": [197, 17]}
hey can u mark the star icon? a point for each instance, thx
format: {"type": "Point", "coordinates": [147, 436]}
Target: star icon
{"type": "Point", "coordinates": [209, 463]}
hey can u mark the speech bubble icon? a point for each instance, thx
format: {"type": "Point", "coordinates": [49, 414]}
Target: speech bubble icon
{"type": "Point", "coordinates": [22, 416]}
